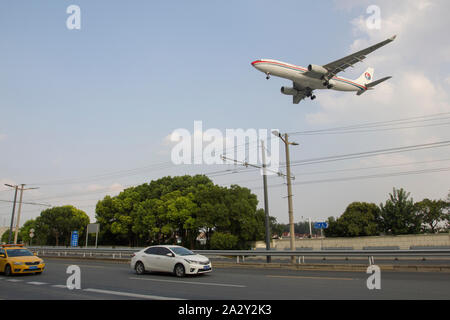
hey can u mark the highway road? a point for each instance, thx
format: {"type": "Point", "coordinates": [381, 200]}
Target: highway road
{"type": "Point", "coordinates": [116, 281]}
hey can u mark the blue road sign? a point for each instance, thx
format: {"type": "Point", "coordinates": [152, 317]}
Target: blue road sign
{"type": "Point", "coordinates": [320, 225]}
{"type": "Point", "coordinates": [74, 239]}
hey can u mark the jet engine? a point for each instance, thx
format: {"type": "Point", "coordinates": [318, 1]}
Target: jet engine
{"type": "Point", "coordinates": [317, 69]}
{"type": "Point", "coordinates": [289, 91]}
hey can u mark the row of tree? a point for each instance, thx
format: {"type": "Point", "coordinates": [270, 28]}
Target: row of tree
{"type": "Point", "coordinates": [166, 211]}
{"type": "Point", "coordinates": [54, 226]}
{"type": "Point", "coordinates": [398, 215]}
{"type": "Point", "coordinates": [180, 209]}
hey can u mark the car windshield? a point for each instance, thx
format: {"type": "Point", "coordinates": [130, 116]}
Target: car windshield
{"type": "Point", "coordinates": [180, 251]}
{"type": "Point", "coordinates": [19, 253]}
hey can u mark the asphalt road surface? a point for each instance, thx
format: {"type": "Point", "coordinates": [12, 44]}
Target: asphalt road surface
{"type": "Point", "coordinates": [116, 281]}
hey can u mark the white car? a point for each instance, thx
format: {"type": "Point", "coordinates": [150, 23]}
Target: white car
{"type": "Point", "coordinates": [174, 259]}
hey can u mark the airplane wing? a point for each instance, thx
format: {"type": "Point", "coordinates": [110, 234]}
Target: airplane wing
{"type": "Point", "coordinates": [301, 93]}
{"type": "Point", "coordinates": [340, 65]}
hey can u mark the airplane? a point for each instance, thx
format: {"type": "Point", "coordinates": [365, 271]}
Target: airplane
{"type": "Point", "coordinates": [314, 77]}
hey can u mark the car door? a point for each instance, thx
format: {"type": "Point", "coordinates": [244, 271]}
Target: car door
{"type": "Point", "coordinates": [2, 260]}
{"type": "Point", "coordinates": [166, 263]}
{"type": "Point", "coordinates": [150, 258]}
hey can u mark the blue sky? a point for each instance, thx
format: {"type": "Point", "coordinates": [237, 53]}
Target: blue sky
{"type": "Point", "coordinates": [80, 103]}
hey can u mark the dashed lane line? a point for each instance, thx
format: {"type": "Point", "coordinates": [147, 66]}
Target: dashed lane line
{"type": "Point", "coordinates": [130, 294]}
{"type": "Point", "coordinates": [14, 280]}
{"type": "Point", "coordinates": [313, 278]}
{"type": "Point", "coordinates": [36, 283]}
{"type": "Point", "coordinates": [191, 282]}
{"type": "Point", "coordinates": [101, 291]}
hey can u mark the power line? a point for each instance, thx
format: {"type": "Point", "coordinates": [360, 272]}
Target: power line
{"type": "Point", "coordinates": [32, 203]}
{"type": "Point", "coordinates": [354, 169]}
{"type": "Point", "coordinates": [434, 117]}
{"type": "Point", "coordinates": [372, 153]}
{"type": "Point", "coordinates": [169, 164]}
{"type": "Point", "coordinates": [386, 175]}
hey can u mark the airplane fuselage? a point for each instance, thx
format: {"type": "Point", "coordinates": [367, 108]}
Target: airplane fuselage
{"type": "Point", "coordinates": [298, 74]}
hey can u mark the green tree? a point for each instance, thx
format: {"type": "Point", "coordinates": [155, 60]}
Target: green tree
{"type": "Point", "coordinates": [358, 219]}
{"type": "Point", "coordinates": [24, 232]}
{"type": "Point", "coordinates": [433, 213]}
{"type": "Point", "coordinates": [399, 215]}
{"type": "Point", "coordinates": [55, 225]}
{"type": "Point", "coordinates": [174, 208]}
{"type": "Point", "coordinates": [223, 241]}
{"type": "Point", "coordinates": [276, 228]}
{"type": "Point", "coordinates": [5, 237]}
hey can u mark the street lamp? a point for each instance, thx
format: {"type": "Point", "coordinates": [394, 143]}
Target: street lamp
{"type": "Point", "coordinates": [285, 139]}
{"type": "Point", "coordinates": [13, 211]}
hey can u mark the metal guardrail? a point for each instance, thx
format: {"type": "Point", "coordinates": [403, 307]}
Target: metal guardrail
{"type": "Point", "coordinates": [126, 253]}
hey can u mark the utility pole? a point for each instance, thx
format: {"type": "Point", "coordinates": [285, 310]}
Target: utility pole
{"type": "Point", "coordinates": [20, 210]}
{"type": "Point", "coordinates": [310, 229]}
{"type": "Point", "coordinates": [16, 187]}
{"type": "Point", "coordinates": [13, 211]}
{"type": "Point", "coordinates": [266, 201]}
{"type": "Point", "coordinates": [289, 188]}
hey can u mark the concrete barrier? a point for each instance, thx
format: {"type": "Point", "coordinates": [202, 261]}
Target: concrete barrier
{"type": "Point", "coordinates": [404, 242]}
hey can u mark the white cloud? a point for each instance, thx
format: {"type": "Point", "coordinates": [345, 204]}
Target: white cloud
{"type": "Point", "coordinates": [115, 187]}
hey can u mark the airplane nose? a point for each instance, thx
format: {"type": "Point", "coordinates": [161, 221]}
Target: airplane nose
{"type": "Point", "coordinates": [255, 63]}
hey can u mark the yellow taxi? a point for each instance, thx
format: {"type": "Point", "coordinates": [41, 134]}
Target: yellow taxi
{"type": "Point", "coordinates": [15, 259]}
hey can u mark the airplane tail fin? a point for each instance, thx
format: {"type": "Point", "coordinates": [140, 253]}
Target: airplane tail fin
{"type": "Point", "coordinates": [366, 77]}
{"type": "Point", "coordinates": [370, 86]}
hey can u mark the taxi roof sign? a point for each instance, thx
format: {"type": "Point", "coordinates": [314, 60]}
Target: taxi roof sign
{"type": "Point", "coordinates": [11, 245]}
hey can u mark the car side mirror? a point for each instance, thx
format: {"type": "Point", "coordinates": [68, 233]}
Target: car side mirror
{"type": "Point", "coordinates": [2, 255]}
{"type": "Point", "coordinates": [170, 254]}
{"type": "Point", "coordinates": [34, 253]}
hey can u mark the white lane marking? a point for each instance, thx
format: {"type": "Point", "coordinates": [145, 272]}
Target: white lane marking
{"type": "Point", "coordinates": [191, 282]}
{"type": "Point", "coordinates": [59, 286]}
{"type": "Point", "coordinates": [14, 280]}
{"type": "Point", "coordinates": [130, 294]}
{"type": "Point", "coordinates": [37, 283]}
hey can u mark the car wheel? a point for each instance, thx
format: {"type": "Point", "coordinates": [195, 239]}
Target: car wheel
{"type": "Point", "coordinates": [8, 270]}
{"type": "Point", "coordinates": [179, 270]}
{"type": "Point", "coordinates": [139, 268]}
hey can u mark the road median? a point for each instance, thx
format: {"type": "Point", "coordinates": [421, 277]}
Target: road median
{"type": "Point", "coordinates": [284, 266]}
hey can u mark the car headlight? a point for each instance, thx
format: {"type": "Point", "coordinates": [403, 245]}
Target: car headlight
{"type": "Point", "coordinates": [189, 261]}
{"type": "Point", "coordinates": [18, 263]}
{"type": "Point", "coordinates": [42, 261]}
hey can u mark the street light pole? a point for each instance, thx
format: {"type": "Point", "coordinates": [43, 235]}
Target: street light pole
{"type": "Point", "coordinates": [13, 211]}
{"type": "Point", "coordinates": [266, 200]}
{"type": "Point", "coordinates": [22, 189]}
{"type": "Point", "coordinates": [289, 189]}
{"type": "Point", "coordinates": [18, 214]}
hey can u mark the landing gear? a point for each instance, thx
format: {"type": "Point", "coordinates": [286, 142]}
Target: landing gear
{"type": "Point", "coordinates": [267, 76]}
{"type": "Point", "coordinates": [309, 94]}
{"type": "Point", "coordinates": [329, 86]}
